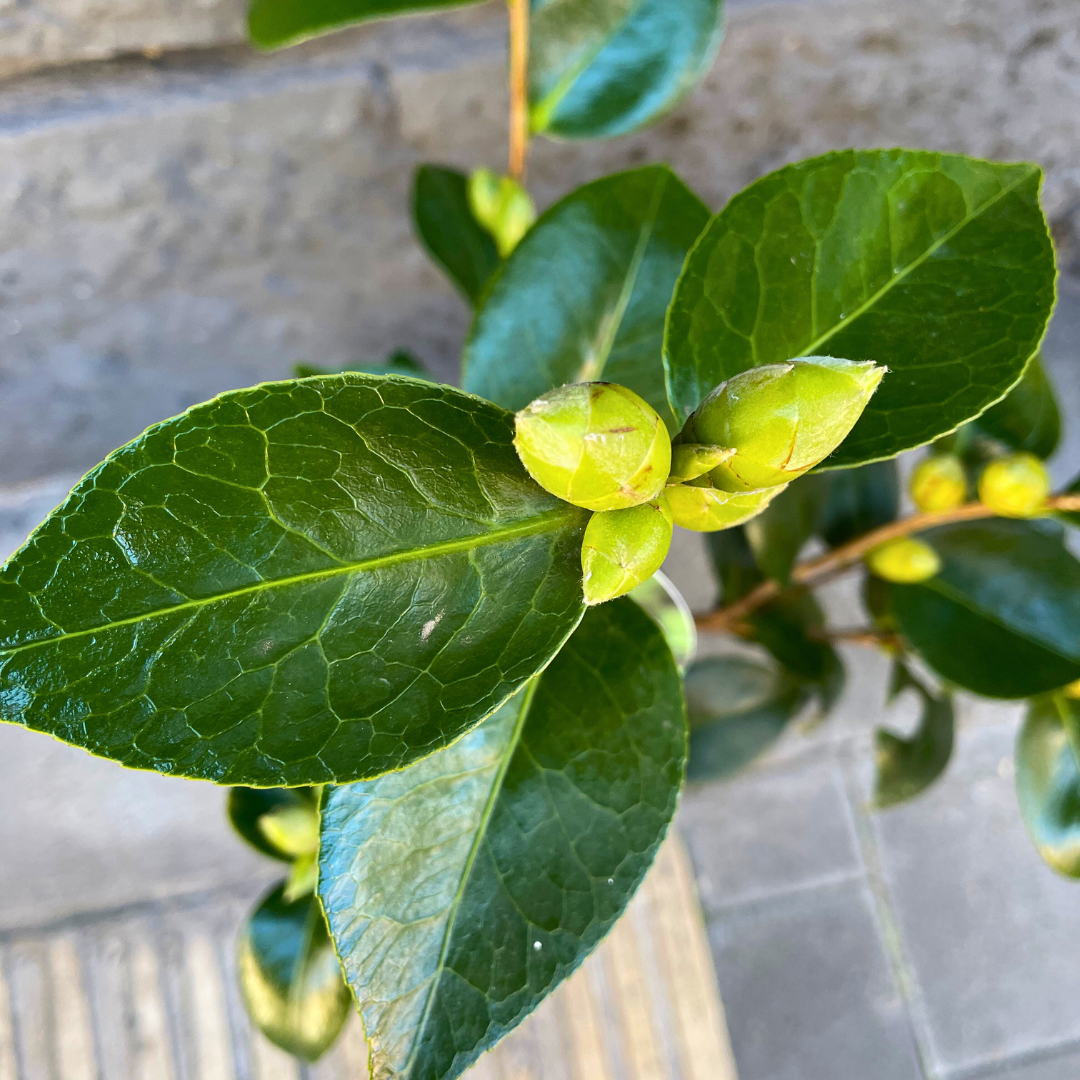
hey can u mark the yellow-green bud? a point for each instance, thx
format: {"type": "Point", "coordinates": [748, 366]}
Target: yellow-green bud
{"type": "Point", "coordinates": [691, 460]}
{"type": "Point", "coordinates": [782, 419]}
{"type": "Point", "coordinates": [502, 206]}
{"type": "Point", "coordinates": [1073, 690]}
{"type": "Point", "coordinates": [704, 508]}
{"type": "Point", "coordinates": [906, 561]}
{"type": "Point", "coordinates": [292, 829]}
{"type": "Point", "coordinates": [623, 548]}
{"type": "Point", "coordinates": [302, 879]}
{"type": "Point", "coordinates": [596, 445]}
{"type": "Point", "coordinates": [938, 483]}
{"type": "Point", "coordinates": [1015, 486]}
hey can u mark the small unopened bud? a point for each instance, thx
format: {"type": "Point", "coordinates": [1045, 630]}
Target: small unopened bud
{"type": "Point", "coordinates": [704, 508]}
{"type": "Point", "coordinates": [1073, 690]}
{"type": "Point", "coordinates": [691, 460]}
{"type": "Point", "coordinates": [906, 561]}
{"type": "Point", "coordinates": [623, 548]}
{"type": "Point", "coordinates": [1015, 486]}
{"type": "Point", "coordinates": [782, 419]}
{"type": "Point", "coordinates": [292, 829]}
{"type": "Point", "coordinates": [938, 483]}
{"type": "Point", "coordinates": [502, 206]}
{"type": "Point", "coordinates": [596, 445]}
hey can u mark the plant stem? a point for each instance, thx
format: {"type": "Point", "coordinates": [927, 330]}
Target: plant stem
{"type": "Point", "coordinates": [519, 86]}
{"type": "Point", "coordinates": [817, 570]}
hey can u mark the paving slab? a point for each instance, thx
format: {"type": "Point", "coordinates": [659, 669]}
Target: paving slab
{"type": "Point", "coordinates": [1065, 1066]}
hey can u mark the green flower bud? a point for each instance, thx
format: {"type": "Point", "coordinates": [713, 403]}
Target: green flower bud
{"type": "Point", "coordinates": [906, 561]}
{"type": "Point", "coordinates": [596, 445]}
{"type": "Point", "coordinates": [292, 829]}
{"type": "Point", "coordinates": [704, 508]}
{"type": "Point", "coordinates": [938, 483]}
{"type": "Point", "coordinates": [782, 419]}
{"type": "Point", "coordinates": [691, 460]}
{"type": "Point", "coordinates": [623, 548]}
{"type": "Point", "coordinates": [502, 206]}
{"type": "Point", "coordinates": [1015, 486]}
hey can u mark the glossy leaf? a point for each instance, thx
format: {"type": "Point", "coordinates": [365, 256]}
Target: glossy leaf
{"type": "Point", "coordinates": [936, 265]}
{"type": "Point", "coordinates": [399, 362]}
{"type": "Point", "coordinates": [448, 229]}
{"type": "Point", "coordinates": [298, 583]}
{"type": "Point", "coordinates": [859, 501]}
{"type": "Point", "coordinates": [778, 533]}
{"type": "Point", "coordinates": [733, 562]}
{"type": "Point", "coordinates": [290, 976]}
{"type": "Point", "coordinates": [599, 68]}
{"type": "Point", "coordinates": [1002, 618]}
{"type": "Point", "coordinates": [1028, 419]}
{"type": "Point", "coordinates": [246, 805]}
{"type": "Point", "coordinates": [667, 607]}
{"type": "Point", "coordinates": [583, 296]}
{"type": "Point", "coordinates": [737, 707]}
{"type": "Point", "coordinates": [274, 23]}
{"type": "Point", "coordinates": [465, 888]}
{"type": "Point", "coordinates": [1048, 781]}
{"type": "Point", "coordinates": [908, 766]}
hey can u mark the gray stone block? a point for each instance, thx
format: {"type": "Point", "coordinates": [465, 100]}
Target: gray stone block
{"type": "Point", "coordinates": [808, 992]}
{"type": "Point", "coordinates": [1065, 1066]}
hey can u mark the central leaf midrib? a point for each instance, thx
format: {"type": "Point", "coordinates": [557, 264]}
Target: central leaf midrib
{"type": "Point", "coordinates": [545, 522]}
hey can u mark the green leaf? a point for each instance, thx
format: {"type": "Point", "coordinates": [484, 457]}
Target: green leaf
{"type": "Point", "coordinates": [447, 227]}
{"type": "Point", "coordinates": [274, 23]}
{"type": "Point", "coordinates": [938, 265]}
{"type": "Point", "coordinates": [290, 977]}
{"type": "Point", "coordinates": [399, 362]}
{"type": "Point", "coordinates": [737, 708]}
{"type": "Point", "coordinates": [1071, 517]}
{"type": "Point", "coordinates": [246, 805]}
{"type": "Point", "coordinates": [1048, 781]}
{"type": "Point", "coordinates": [906, 767]}
{"type": "Point", "coordinates": [778, 533]}
{"type": "Point", "coordinates": [1028, 418]}
{"type": "Point", "coordinates": [463, 889]}
{"type": "Point", "coordinates": [298, 583]}
{"type": "Point", "coordinates": [859, 501]}
{"type": "Point", "coordinates": [668, 608]}
{"type": "Point", "coordinates": [583, 296]}
{"type": "Point", "coordinates": [733, 561]}
{"type": "Point", "coordinates": [599, 68]}
{"type": "Point", "coordinates": [1002, 618]}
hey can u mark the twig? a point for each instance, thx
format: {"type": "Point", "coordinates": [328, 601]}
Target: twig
{"type": "Point", "coordinates": [818, 570]}
{"type": "Point", "coordinates": [519, 86]}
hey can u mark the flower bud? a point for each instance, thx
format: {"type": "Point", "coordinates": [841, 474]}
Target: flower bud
{"type": "Point", "coordinates": [1015, 486]}
{"type": "Point", "coordinates": [623, 548]}
{"type": "Point", "coordinates": [292, 829]}
{"type": "Point", "coordinates": [782, 419]}
{"type": "Point", "coordinates": [691, 460]}
{"type": "Point", "coordinates": [596, 445]}
{"type": "Point", "coordinates": [906, 561]}
{"type": "Point", "coordinates": [502, 206]}
{"type": "Point", "coordinates": [1073, 690]}
{"type": "Point", "coordinates": [704, 508]}
{"type": "Point", "coordinates": [938, 483]}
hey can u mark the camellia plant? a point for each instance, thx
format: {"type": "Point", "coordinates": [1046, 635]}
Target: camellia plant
{"type": "Point", "coordinates": [420, 630]}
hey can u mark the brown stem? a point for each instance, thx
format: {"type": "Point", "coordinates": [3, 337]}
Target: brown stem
{"type": "Point", "coordinates": [817, 570]}
{"type": "Point", "coordinates": [519, 86]}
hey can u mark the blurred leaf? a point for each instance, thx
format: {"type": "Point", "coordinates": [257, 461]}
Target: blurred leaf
{"type": "Point", "coordinates": [583, 296]}
{"type": "Point", "coordinates": [938, 265]}
{"type": "Point", "coordinates": [399, 362]}
{"type": "Point", "coordinates": [462, 890]}
{"type": "Point", "coordinates": [290, 977]}
{"type": "Point", "coordinates": [859, 501]}
{"type": "Point", "coordinates": [733, 563]}
{"type": "Point", "coordinates": [667, 607]}
{"type": "Point", "coordinates": [599, 68]}
{"type": "Point", "coordinates": [778, 533]}
{"type": "Point", "coordinates": [448, 229]}
{"type": "Point", "coordinates": [737, 708]}
{"type": "Point", "coordinates": [1048, 781]}
{"type": "Point", "coordinates": [1002, 618]}
{"type": "Point", "coordinates": [1071, 517]}
{"type": "Point", "coordinates": [906, 767]}
{"type": "Point", "coordinates": [1027, 419]}
{"type": "Point", "coordinates": [246, 805]}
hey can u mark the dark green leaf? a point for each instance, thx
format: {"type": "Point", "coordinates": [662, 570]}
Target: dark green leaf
{"type": "Point", "coordinates": [463, 889]}
{"type": "Point", "coordinates": [246, 805]}
{"type": "Point", "coordinates": [737, 708]}
{"type": "Point", "coordinates": [599, 68]}
{"type": "Point", "coordinates": [455, 239]}
{"type": "Point", "coordinates": [937, 265]}
{"type": "Point", "coordinates": [290, 976]}
{"type": "Point", "coordinates": [860, 500]}
{"type": "Point", "coordinates": [1072, 517]}
{"type": "Point", "coordinates": [906, 767]}
{"type": "Point", "coordinates": [733, 563]}
{"type": "Point", "coordinates": [1002, 618]}
{"type": "Point", "coordinates": [1028, 419]}
{"type": "Point", "coordinates": [273, 23]}
{"type": "Point", "coordinates": [1048, 781]}
{"type": "Point", "coordinates": [399, 362]}
{"type": "Point", "coordinates": [298, 583]}
{"type": "Point", "coordinates": [667, 607]}
{"type": "Point", "coordinates": [778, 533]}
{"type": "Point", "coordinates": [583, 296]}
